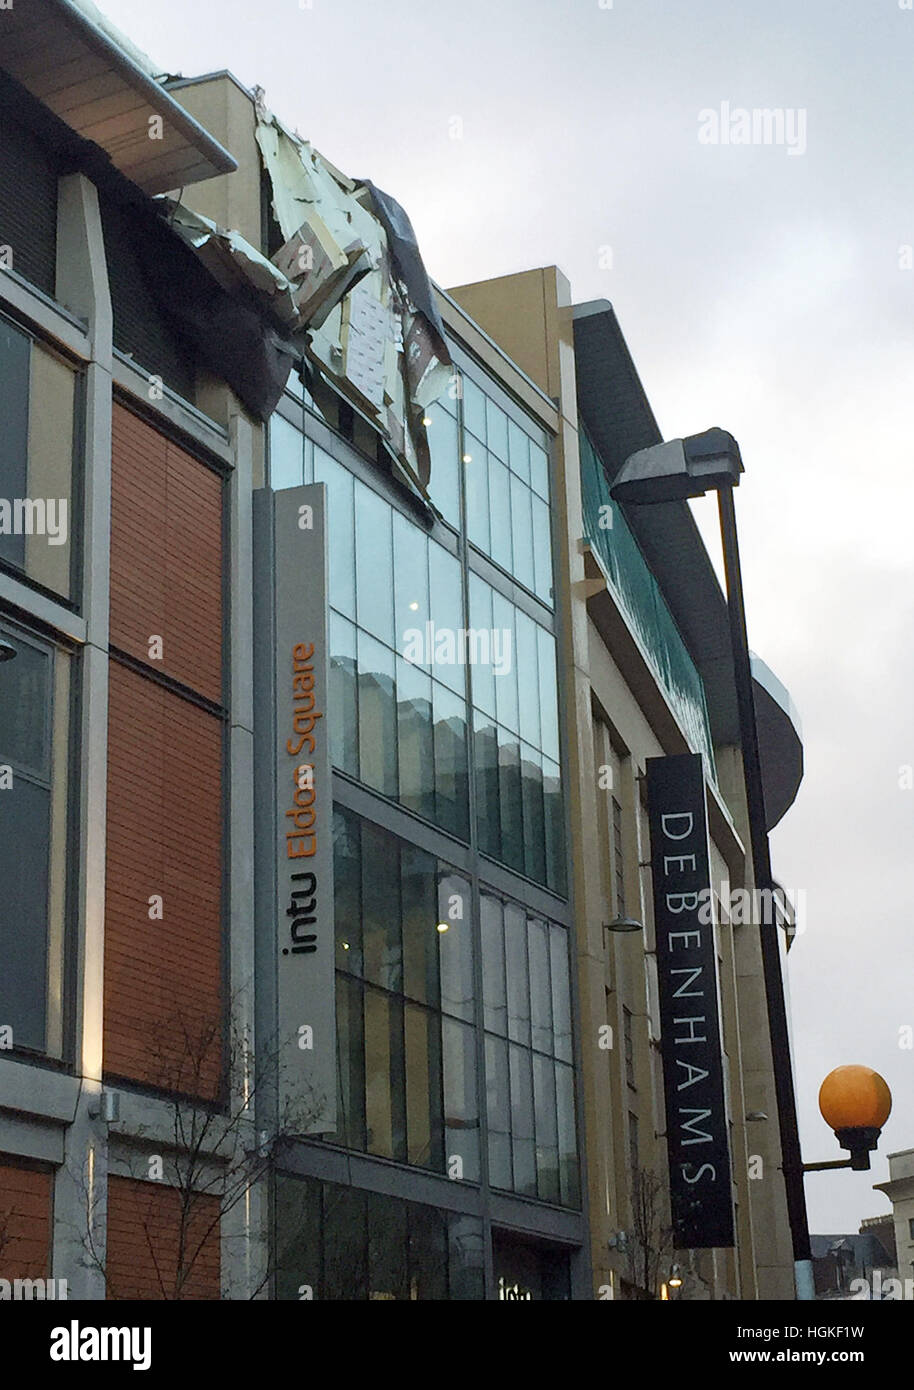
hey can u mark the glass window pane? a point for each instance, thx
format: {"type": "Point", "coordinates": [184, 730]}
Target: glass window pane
{"type": "Point", "coordinates": [387, 1240]}
{"type": "Point", "coordinates": [344, 696]}
{"type": "Point", "coordinates": [381, 915]}
{"type": "Point", "coordinates": [374, 564]}
{"type": "Point", "coordinates": [347, 890]}
{"type": "Point", "coordinates": [385, 1090]}
{"type": "Point", "coordinates": [340, 529]}
{"type": "Point", "coordinates": [569, 1175]}
{"type": "Point", "coordinates": [482, 676]}
{"type": "Point", "coordinates": [523, 1143]}
{"type": "Point", "coordinates": [25, 710]}
{"type": "Point", "coordinates": [518, 451]}
{"type": "Point", "coordinates": [485, 753]}
{"type": "Point", "coordinates": [555, 827]}
{"type": "Point", "coordinates": [542, 552]}
{"type": "Point", "coordinates": [455, 946]}
{"type": "Point", "coordinates": [510, 804]}
{"type": "Point", "coordinates": [526, 659]}
{"type": "Point", "coordinates": [547, 1139]}
{"type": "Point", "coordinates": [415, 743]}
{"type": "Point", "coordinates": [298, 1237]}
{"type": "Point", "coordinates": [444, 482]}
{"type": "Point", "coordinates": [424, 1118]}
{"type": "Point", "coordinates": [504, 662]}
{"type": "Point", "coordinates": [539, 471]}
{"type": "Point", "coordinates": [516, 974]}
{"type": "Point", "coordinates": [496, 430]}
{"type": "Point", "coordinates": [474, 409]}
{"type": "Point", "coordinates": [549, 709]}
{"type": "Point", "coordinates": [461, 1108]}
{"type": "Point", "coordinates": [561, 992]}
{"type": "Point", "coordinates": [377, 716]}
{"type": "Point", "coordinates": [531, 776]}
{"type": "Point", "coordinates": [522, 533]}
{"type": "Point", "coordinates": [500, 513]}
{"type": "Point", "coordinates": [52, 392]}
{"type": "Point", "coordinates": [465, 1257]}
{"type": "Point", "coordinates": [25, 833]}
{"type": "Point", "coordinates": [476, 480]}
{"type": "Point", "coordinates": [418, 873]}
{"type": "Point", "coordinates": [452, 805]}
{"type": "Point", "coordinates": [350, 1041]}
{"type": "Point", "coordinates": [446, 608]}
{"type": "Point", "coordinates": [498, 1102]}
{"type": "Point", "coordinates": [540, 984]}
{"type": "Point", "coordinates": [493, 965]}
{"type": "Point", "coordinates": [345, 1243]}
{"type": "Point", "coordinates": [428, 1256]}
{"type": "Point", "coordinates": [410, 583]}
{"type": "Point", "coordinates": [287, 454]}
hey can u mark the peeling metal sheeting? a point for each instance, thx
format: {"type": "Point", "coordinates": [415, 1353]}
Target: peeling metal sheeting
{"type": "Point", "coordinates": [232, 261]}
{"type": "Point", "coordinates": [360, 291]}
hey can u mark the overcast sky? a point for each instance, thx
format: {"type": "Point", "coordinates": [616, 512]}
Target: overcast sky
{"type": "Point", "coordinates": [759, 289]}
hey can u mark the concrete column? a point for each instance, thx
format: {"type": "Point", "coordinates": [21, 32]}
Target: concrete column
{"type": "Point", "coordinates": [80, 1185]}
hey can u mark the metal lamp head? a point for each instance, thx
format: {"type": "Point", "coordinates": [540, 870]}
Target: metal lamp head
{"type": "Point", "coordinates": [623, 924]}
{"type": "Point", "coordinates": [680, 468]}
{"type": "Point", "coordinates": [7, 650]}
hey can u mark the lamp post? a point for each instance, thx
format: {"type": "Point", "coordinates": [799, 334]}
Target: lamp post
{"type": "Point", "coordinates": [674, 471]}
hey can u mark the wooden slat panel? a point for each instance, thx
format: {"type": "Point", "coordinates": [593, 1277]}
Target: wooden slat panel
{"type": "Point", "coordinates": [25, 1222]}
{"type": "Point", "coordinates": [145, 1229]}
{"type": "Point", "coordinates": [166, 555]}
{"type": "Point", "coordinates": [164, 837]}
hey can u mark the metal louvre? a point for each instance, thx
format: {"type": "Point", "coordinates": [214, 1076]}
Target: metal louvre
{"type": "Point", "coordinates": [28, 203]}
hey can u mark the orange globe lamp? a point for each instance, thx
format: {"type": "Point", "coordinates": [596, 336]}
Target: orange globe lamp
{"type": "Point", "coordinates": [855, 1102]}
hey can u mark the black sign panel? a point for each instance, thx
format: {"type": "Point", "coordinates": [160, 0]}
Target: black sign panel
{"type": "Point", "coordinates": [693, 1079]}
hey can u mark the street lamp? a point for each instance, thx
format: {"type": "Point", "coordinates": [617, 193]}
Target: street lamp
{"type": "Point", "coordinates": [672, 472]}
{"type": "Point", "coordinates": [7, 650]}
{"type": "Point", "coordinates": [855, 1102]}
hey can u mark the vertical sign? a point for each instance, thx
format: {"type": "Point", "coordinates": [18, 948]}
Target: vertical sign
{"type": "Point", "coordinates": [693, 1078]}
{"type": "Point", "coordinates": [301, 848]}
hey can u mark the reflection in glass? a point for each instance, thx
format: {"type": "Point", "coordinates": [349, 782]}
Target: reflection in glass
{"type": "Point", "coordinates": [377, 716]}
{"type": "Point", "coordinates": [523, 1142]}
{"type": "Point", "coordinates": [415, 741]}
{"type": "Point", "coordinates": [381, 913]}
{"type": "Point", "coordinates": [547, 1141]}
{"type": "Point", "coordinates": [516, 974]}
{"type": "Point", "coordinates": [498, 1101]}
{"type": "Point", "coordinates": [461, 1109]}
{"type": "Point", "coordinates": [452, 807]}
{"type": "Point", "coordinates": [493, 965]}
{"type": "Point", "coordinates": [343, 696]}
{"type": "Point", "coordinates": [340, 530]}
{"type": "Point", "coordinates": [374, 564]}
{"type": "Point", "coordinates": [455, 946]}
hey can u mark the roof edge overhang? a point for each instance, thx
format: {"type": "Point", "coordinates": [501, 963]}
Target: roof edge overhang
{"type": "Point", "coordinates": [619, 418]}
{"type": "Point", "coordinates": [104, 94]}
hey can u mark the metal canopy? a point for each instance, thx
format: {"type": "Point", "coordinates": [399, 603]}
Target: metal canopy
{"type": "Point", "coordinates": [620, 421]}
{"type": "Point", "coordinates": [60, 55]}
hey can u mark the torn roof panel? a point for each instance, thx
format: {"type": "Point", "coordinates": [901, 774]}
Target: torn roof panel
{"type": "Point", "coordinates": [367, 307]}
{"type": "Point", "coordinates": [72, 60]}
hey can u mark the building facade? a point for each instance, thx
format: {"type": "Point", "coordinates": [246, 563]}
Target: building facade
{"type": "Point", "coordinates": [499, 667]}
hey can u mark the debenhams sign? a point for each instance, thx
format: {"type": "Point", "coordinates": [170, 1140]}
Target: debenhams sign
{"type": "Point", "coordinates": [696, 1111]}
{"type": "Point", "coordinates": [296, 848]}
